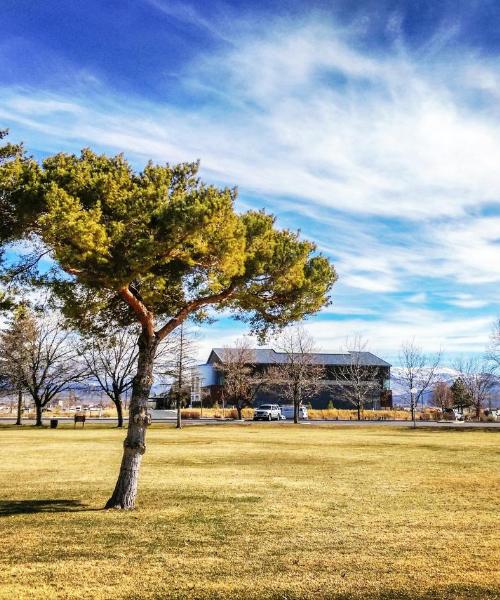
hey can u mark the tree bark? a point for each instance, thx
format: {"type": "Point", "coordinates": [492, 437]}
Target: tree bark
{"type": "Point", "coordinates": [178, 424]}
{"type": "Point", "coordinates": [119, 409]}
{"type": "Point", "coordinates": [295, 411]}
{"type": "Point", "coordinates": [38, 406]}
{"type": "Point", "coordinates": [238, 410]}
{"type": "Point", "coordinates": [359, 412]}
{"type": "Point", "coordinates": [134, 446]}
{"type": "Point", "coordinates": [19, 406]}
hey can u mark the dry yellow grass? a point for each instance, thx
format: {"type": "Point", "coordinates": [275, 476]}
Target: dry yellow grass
{"type": "Point", "coordinates": [352, 415]}
{"type": "Point", "coordinates": [252, 512]}
{"type": "Point", "coordinates": [313, 414]}
{"type": "Point", "coordinates": [217, 413]}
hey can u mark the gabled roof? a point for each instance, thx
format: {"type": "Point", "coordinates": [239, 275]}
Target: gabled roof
{"type": "Point", "coordinates": [268, 356]}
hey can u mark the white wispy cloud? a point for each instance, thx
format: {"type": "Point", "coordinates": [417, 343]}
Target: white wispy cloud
{"type": "Point", "coordinates": [384, 336]}
{"type": "Point", "coordinates": [467, 301]}
{"type": "Point", "coordinates": [187, 13]}
{"type": "Point", "coordinates": [312, 118]}
{"type": "Point", "coordinates": [391, 159]}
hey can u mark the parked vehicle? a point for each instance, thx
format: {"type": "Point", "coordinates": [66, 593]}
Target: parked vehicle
{"type": "Point", "coordinates": [267, 412]}
{"type": "Point", "coordinates": [493, 415]}
{"type": "Point", "coordinates": [452, 414]}
{"type": "Point", "coordinates": [287, 411]}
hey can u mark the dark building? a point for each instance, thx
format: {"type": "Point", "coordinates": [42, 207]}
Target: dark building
{"type": "Point", "coordinates": [376, 372]}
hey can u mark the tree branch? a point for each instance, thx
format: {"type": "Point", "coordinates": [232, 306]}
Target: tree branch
{"type": "Point", "coordinates": [192, 306]}
{"type": "Point", "coordinates": [143, 314]}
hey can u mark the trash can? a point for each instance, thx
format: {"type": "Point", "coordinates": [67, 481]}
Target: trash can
{"type": "Point", "coordinates": [53, 423]}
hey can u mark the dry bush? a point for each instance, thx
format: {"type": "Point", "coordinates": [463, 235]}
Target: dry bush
{"type": "Point", "coordinates": [351, 415]}
{"type": "Point", "coordinates": [229, 413]}
{"type": "Point", "coordinates": [431, 414]}
{"type": "Point", "coordinates": [189, 413]}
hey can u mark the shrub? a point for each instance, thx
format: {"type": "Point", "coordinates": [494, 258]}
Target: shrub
{"type": "Point", "coordinates": [247, 413]}
{"type": "Point", "coordinates": [487, 418]}
{"type": "Point", "coordinates": [190, 413]}
{"type": "Point", "coordinates": [351, 415]}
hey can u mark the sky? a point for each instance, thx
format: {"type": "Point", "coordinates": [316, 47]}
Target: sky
{"type": "Point", "coordinates": [372, 126]}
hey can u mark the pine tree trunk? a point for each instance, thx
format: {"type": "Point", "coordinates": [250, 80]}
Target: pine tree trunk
{"type": "Point", "coordinates": [19, 406]}
{"type": "Point", "coordinates": [134, 446]}
{"type": "Point", "coordinates": [38, 406]}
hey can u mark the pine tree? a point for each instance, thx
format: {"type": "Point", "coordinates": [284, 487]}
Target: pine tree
{"type": "Point", "coordinates": [160, 246]}
{"type": "Point", "coordinates": [461, 396]}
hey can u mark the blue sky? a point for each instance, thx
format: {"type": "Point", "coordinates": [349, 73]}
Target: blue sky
{"type": "Point", "coordinates": [372, 126]}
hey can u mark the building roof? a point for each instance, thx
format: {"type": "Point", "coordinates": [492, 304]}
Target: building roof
{"type": "Point", "coordinates": [268, 356]}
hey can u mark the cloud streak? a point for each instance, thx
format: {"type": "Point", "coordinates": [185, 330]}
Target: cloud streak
{"type": "Point", "coordinates": [388, 160]}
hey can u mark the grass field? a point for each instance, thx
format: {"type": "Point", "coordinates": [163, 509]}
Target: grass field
{"type": "Point", "coordinates": [252, 512]}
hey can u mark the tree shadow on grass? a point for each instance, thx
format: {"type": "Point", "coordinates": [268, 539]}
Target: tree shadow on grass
{"type": "Point", "coordinates": [459, 428]}
{"type": "Point", "coordinates": [443, 592]}
{"type": "Point", "coordinates": [26, 507]}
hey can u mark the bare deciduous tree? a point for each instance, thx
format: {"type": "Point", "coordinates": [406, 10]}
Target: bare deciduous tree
{"type": "Point", "coordinates": [478, 378]}
{"type": "Point", "coordinates": [42, 356]}
{"type": "Point", "coordinates": [493, 351]}
{"type": "Point", "coordinates": [299, 376]}
{"type": "Point", "coordinates": [111, 362]}
{"type": "Point", "coordinates": [358, 380]}
{"type": "Point", "coordinates": [442, 396]}
{"type": "Point", "coordinates": [8, 385]}
{"type": "Point", "coordinates": [418, 373]}
{"type": "Point", "coordinates": [176, 365]}
{"type": "Point", "coordinates": [10, 380]}
{"type": "Point", "coordinates": [241, 382]}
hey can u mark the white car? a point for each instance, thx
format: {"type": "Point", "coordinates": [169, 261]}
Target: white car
{"type": "Point", "coordinates": [267, 412]}
{"type": "Point", "coordinates": [288, 410]}
{"type": "Point", "coordinates": [452, 414]}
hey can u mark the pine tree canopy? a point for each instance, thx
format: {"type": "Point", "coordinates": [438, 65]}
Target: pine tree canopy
{"type": "Point", "coordinates": [162, 245]}
{"type": "Point", "coordinates": [19, 202]}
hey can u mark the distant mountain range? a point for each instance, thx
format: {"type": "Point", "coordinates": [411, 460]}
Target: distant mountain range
{"type": "Point", "coordinates": [445, 374]}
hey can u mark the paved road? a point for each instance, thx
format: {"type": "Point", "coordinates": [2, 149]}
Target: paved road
{"type": "Point", "coordinates": [401, 423]}
{"type": "Point", "coordinates": [168, 419]}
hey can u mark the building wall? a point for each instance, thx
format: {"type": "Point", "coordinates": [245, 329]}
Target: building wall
{"type": "Point", "coordinates": [334, 393]}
